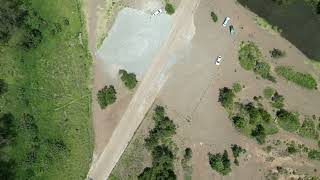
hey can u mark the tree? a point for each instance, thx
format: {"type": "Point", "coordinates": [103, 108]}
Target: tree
{"type": "Point", "coordinates": [288, 121]}
{"type": "Point", "coordinates": [169, 8]}
{"type": "Point", "coordinates": [220, 162]}
{"type": "Point", "coordinates": [226, 96]}
{"type": "Point", "coordinates": [214, 17]}
{"type": "Point", "coordinates": [239, 122]}
{"type": "Point", "coordinates": [129, 79]}
{"type": "Point", "coordinates": [187, 154]}
{"type": "Point", "coordinates": [237, 151]}
{"type": "Point", "coordinates": [3, 87]}
{"type": "Point", "coordinates": [259, 134]}
{"type": "Point", "coordinates": [7, 129]}
{"type": "Point", "coordinates": [106, 96]}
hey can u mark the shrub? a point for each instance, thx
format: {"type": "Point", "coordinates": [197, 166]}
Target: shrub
{"type": "Point", "coordinates": [129, 79]}
{"type": "Point", "coordinates": [169, 8]}
{"type": "Point", "coordinates": [308, 129]}
{"type": "Point", "coordinates": [302, 79]}
{"type": "Point", "coordinates": [314, 154]}
{"type": "Point", "coordinates": [214, 17]}
{"type": "Point", "coordinates": [236, 87]}
{"type": "Point", "coordinates": [259, 134]}
{"type": "Point", "coordinates": [291, 149]}
{"type": "Point", "coordinates": [226, 96]}
{"type": "Point", "coordinates": [220, 162]}
{"type": "Point", "coordinates": [288, 121]}
{"type": "Point", "coordinates": [249, 54]}
{"type": "Point", "coordinates": [237, 151]}
{"type": "Point", "coordinates": [277, 53]}
{"type": "Point", "coordinates": [263, 69]}
{"type": "Point", "coordinates": [268, 92]}
{"type": "Point", "coordinates": [187, 154]}
{"type": "Point", "coordinates": [3, 87]}
{"type": "Point", "coordinates": [277, 101]}
{"type": "Point", "coordinates": [106, 96]}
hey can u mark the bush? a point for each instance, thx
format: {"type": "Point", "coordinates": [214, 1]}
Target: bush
{"type": "Point", "coordinates": [288, 121]}
{"type": "Point", "coordinates": [259, 134]}
{"type": "Point", "coordinates": [226, 96]}
{"type": "Point", "coordinates": [220, 162]}
{"type": "Point", "coordinates": [302, 79]}
{"type": "Point", "coordinates": [169, 8]}
{"type": "Point", "coordinates": [237, 151]}
{"type": "Point", "coordinates": [239, 122]}
{"type": "Point", "coordinates": [291, 149]}
{"type": "Point", "coordinates": [277, 101]}
{"type": "Point", "coordinates": [3, 87]}
{"type": "Point", "coordinates": [250, 58]}
{"type": "Point", "coordinates": [308, 129]}
{"type": "Point", "coordinates": [236, 87]}
{"type": "Point", "coordinates": [314, 154]}
{"type": "Point", "coordinates": [187, 154]}
{"type": "Point", "coordinates": [277, 53]}
{"type": "Point", "coordinates": [129, 79]}
{"type": "Point", "coordinates": [249, 54]}
{"type": "Point", "coordinates": [106, 96]}
{"type": "Point", "coordinates": [268, 92]}
{"type": "Point", "coordinates": [214, 17]}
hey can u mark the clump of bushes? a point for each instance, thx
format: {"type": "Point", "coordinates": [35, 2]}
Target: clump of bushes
{"type": "Point", "coordinates": [129, 79]}
{"type": "Point", "coordinates": [302, 79]}
{"type": "Point", "coordinates": [162, 155]}
{"type": "Point", "coordinates": [277, 100]}
{"type": "Point", "coordinates": [277, 53]}
{"type": "Point", "coordinates": [106, 96]}
{"type": "Point", "coordinates": [308, 129]}
{"type": "Point", "coordinates": [250, 58]}
{"type": "Point", "coordinates": [220, 162]}
{"type": "Point", "coordinates": [291, 149]}
{"type": "Point", "coordinates": [314, 154]}
{"type": "Point", "coordinates": [236, 87]}
{"type": "Point", "coordinates": [237, 151]}
{"type": "Point", "coordinates": [288, 120]}
{"type": "Point", "coordinates": [170, 9]}
{"type": "Point", "coordinates": [226, 96]}
{"type": "Point", "coordinates": [214, 17]}
{"type": "Point", "coordinates": [259, 134]}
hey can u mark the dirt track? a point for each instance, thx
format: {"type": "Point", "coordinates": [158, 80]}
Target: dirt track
{"type": "Point", "coordinates": [145, 94]}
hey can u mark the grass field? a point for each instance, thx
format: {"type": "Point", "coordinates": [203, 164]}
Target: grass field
{"type": "Point", "coordinates": [49, 89]}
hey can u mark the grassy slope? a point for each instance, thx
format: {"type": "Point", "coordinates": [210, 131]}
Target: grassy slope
{"type": "Point", "coordinates": [55, 78]}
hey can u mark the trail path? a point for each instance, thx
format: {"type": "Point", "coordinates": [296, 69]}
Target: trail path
{"type": "Point", "coordinates": [146, 92]}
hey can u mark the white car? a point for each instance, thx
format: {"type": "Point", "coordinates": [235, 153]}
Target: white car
{"type": "Point", "coordinates": [218, 60]}
{"type": "Point", "coordinates": [159, 11]}
{"type": "Point", "coordinates": [225, 22]}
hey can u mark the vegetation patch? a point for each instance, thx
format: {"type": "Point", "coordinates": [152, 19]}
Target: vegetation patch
{"type": "Point", "coordinates": [308, 129]}
{"type": "Point", "coordinates": [129, 79]}
{"type": "Point", "coordinates": [302, 79]}
{"type": "Point", "coordinates": [250, 58]}
{"type": "Point", "coordinates": [170, 9]}
{"type": "Point", "coordinates": [268, 92]}
{"type": "Point", "coordinates": [237, 151]}
{"type": "Point", "coordinates": [220, 162]}
{"type": "Point", "coordinates": [264, 24]}
{"type": "Point", "coordinates": [277, 53]}
{"type": "Point", "coordinates": [186, 165]}
{"type": "Point", "coordinates": [226, 96]}
{"type": "Point", "coordinates": [45, 98]}
{"type": "Point", "coordinates": [158, 143]}
{"type": "Point", "coordinates": [277, 100]}
{"type": "Point", "coordinates": [288, 120]}
{"type": "Point", "coordinates": [314, 154]}
{"type": "Point", "coordinates": [214, 17]}
{"type": "Point", "coordinates": [106, 96]}
{"type": "Point", "coordinates": [236, 87]}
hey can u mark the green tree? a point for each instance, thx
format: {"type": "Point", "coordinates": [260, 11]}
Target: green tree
{"type": "Point", "coordinates": [226, 96]}
{"type": "Point", "coordinates": [288, 121]}
{"type": "Point", "coordinates": [187, 154]}
{"type": "Point", "coordinates": [106, 96]}
{"type": "Point", "coordinates": [259, 134]}
{"type": "Point", "coordinates": [170, 9]}
{"type": "Point", "coordinates": [239, 122]}
{"type": "Point", "coordinates": [214, 17]}
{"type": "Point", "coordinates": [220, 162]}
{"type": "Point", "coordinates": [129, 79]}
{"type": "Point", "coordinates": [237, 151]}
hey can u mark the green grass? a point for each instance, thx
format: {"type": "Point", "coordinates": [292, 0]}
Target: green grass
{"type": "Point", "coordinates": [265, 25]}
{"type": "Point", "coordinates": [49, 86]}
{"type": "Point", "coordinates": [305, 80]}
{"type": "Point", "coordinates": [268, 92]}
{"type": "Point", "coordinates": [308, 129]}
{"type": "Point", "coordinates": [236, 87]}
